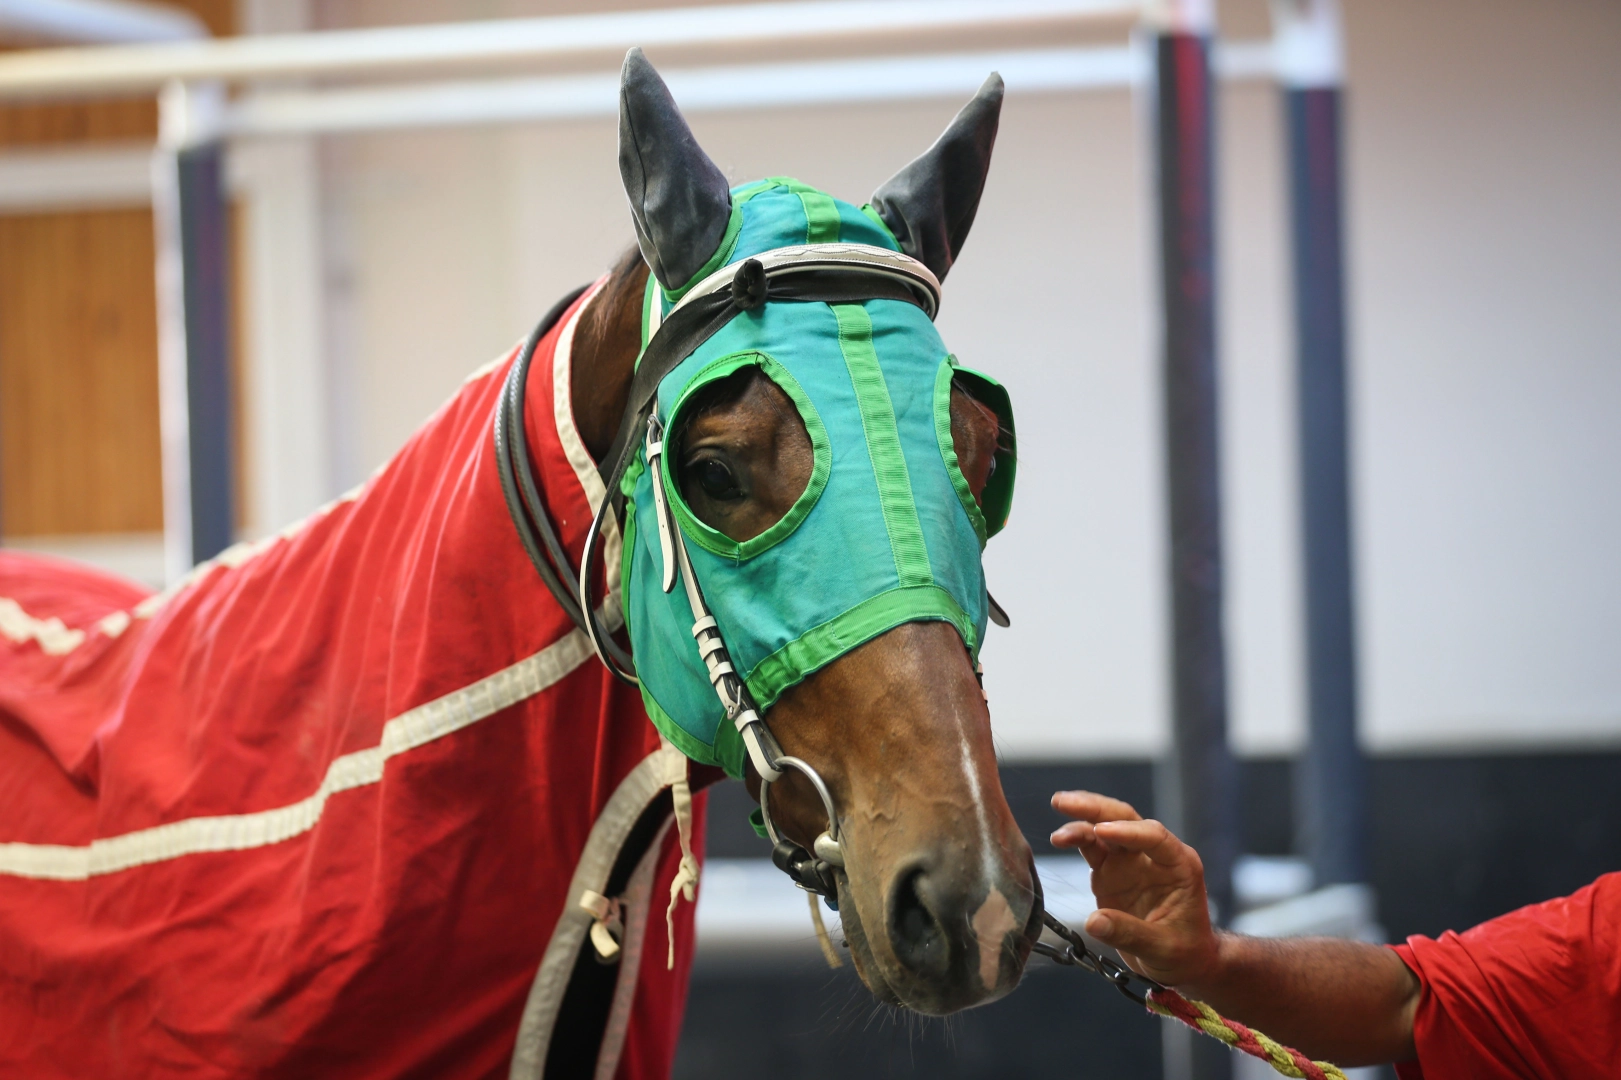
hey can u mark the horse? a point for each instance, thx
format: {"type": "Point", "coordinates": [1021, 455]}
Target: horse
{"type": "Point", "coordinates": [357, 799]}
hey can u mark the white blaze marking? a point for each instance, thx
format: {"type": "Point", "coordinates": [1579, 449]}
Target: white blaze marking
{"type": "Point", "coordinates": [979, 812]}
{"type": "Point", "coordinates": [994, 918]}
{"type": "Point", "coordinates": [992, 922]}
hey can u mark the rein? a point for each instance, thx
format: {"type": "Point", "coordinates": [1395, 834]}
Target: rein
{"type": "Point", "coordinates": [1161, 999]}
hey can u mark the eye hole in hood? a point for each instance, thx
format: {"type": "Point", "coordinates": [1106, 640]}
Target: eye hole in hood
{"type": "Point", "coordinates": [743, 456]}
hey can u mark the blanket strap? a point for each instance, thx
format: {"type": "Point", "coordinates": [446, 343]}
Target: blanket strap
{"type": "Point", "coordinates": [608, 916]}
{"type": "Point", "coordinates": [685, 882]}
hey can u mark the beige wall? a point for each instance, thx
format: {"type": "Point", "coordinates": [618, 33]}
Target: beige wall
{"type": "Point", "coordinates": [1485, 156]}
{"type": "Point", "coordinates": [1486, 140]}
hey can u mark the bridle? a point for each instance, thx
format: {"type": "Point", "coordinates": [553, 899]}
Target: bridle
{"type": "Point", "coordinates": [825, 273]}
{"type": "Point", "coordinates": [829, 273]}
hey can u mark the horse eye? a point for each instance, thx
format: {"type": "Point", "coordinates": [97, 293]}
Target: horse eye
{"type": "Point", "coordinates": [717, 480]}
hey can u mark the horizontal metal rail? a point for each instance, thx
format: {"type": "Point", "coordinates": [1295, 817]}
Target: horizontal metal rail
{"type": "Point", "coordinates": [766, 86]}
{"type": "Point", "coordinates": [90, 22]}
{"type": "Point", "coordinates": [418, 49]}
{"type": "Point", "coordinates": [69, 177]}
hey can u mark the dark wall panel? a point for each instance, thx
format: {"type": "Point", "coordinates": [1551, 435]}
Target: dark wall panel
{"type": "Point", "coordinates": [808, 1023]}
{"type": "Point", "coordinates": [1457, 841]}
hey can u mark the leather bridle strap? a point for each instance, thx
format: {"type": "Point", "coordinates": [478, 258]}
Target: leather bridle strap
{"type": "Point", "coordinates": [518, 482]}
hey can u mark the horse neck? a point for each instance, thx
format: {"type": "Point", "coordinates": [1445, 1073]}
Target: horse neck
{"type": "Point", "coordinates": [435, 583]}
{"type": "Point", "coordinates": [603, 360]}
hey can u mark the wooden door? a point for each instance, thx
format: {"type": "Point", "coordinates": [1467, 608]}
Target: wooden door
{"type": "Point", "coordinates": [79, 446]}
{"type": "Point", "coordinates": [79, 435]}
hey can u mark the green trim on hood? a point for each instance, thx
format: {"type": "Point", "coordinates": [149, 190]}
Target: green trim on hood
{"type": "Point", "coordinates": [884, 445]}
{"type": "Point", "coordinates": [873, 216]}
{"type": "Point", "coordinates": [948, 448]}
{"type": "Point", "coordinates": [821, 218]}
{"type": "Point", "coordinates": [713, 539]}
{"type": "Point", "coordinates": [722, 255]}
{"type": "Point", "coordinates": [996, 501]}
{"type": "Point", "coordinates": [821, 645]}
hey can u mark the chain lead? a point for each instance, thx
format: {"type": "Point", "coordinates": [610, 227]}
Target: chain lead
{"type": "Point", "coordinates": [1076, 953]}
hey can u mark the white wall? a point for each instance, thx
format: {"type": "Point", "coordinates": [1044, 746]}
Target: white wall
{"type": "Point", "coordinates": [1484, 159]}
{"type": "Point", "coordinates": [1486, 165]}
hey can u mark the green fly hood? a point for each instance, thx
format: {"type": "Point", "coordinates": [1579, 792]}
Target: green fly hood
{"type": "Point", "coordinates": [834, 305]}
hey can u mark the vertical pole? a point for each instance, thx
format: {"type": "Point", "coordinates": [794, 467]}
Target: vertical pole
{"type": "Point", "coordinates": [288, 408]}
{"type": "Point", "coordinates": [1199, 792]}
{"type": "Point", "coordinates": [288, 404]}
{"type": "Point", "coordinates": [1331, 776]}
{"type": "Point", "coordinates": [192, 220]}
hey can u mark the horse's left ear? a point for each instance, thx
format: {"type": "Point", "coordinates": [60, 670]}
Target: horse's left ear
{"type": "Point", "coordinates": [930, 204]}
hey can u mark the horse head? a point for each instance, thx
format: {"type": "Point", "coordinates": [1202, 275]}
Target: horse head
{"type": "Point", "coordinates": [830, 476]}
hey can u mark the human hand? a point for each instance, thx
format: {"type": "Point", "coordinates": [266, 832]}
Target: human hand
{"type": "Point", "coordinates": [1149, 887]}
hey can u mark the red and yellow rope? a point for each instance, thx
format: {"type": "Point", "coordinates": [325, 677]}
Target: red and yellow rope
{"type": "Point", "coordinates": [1198, 1015]}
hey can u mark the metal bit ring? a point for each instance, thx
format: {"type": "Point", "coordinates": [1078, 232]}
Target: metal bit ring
{"type": "Point", "coordinates": [827, 846]}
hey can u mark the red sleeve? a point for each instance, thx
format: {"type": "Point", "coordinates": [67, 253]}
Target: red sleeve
{"type": "Point", "coordinates": [1533, 994]}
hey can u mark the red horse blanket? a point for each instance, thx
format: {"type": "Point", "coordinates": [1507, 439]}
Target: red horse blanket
{"type": "Point", "coordinates": [321, 809]}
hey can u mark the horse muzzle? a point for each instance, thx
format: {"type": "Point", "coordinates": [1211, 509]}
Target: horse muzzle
{"type": "Point", "coordinates": [949, 938]}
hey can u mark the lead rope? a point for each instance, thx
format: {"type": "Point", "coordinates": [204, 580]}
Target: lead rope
{"type": "Point", "coordinates": [1163, 1000]}
{"type": "Point", "coordinates": [1246, 1040]}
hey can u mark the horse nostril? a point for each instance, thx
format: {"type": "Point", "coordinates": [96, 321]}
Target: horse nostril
{"type": "Point", "coordinates": [914, 931]}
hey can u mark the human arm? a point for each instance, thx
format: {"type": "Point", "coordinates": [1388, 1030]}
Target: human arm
{"type": "Point", "coordinates": [1345, 1001]}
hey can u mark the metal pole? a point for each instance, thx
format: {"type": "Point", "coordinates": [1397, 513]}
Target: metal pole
{"type": "Point", "coordinates": [1200, 794]}
{"type": "Point", "coordinates": [485, 43]}
{"type": "Point", "coordinates": [88, 22]}
{"type": "Point", "coordinates": [1331, 776]}
{"type": "Point", "coordinates": [192, 220]}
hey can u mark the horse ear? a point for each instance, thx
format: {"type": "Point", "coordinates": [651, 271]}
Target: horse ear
{"type": "Point", "coordinates": [930, 204]}
{"type": "Point", "coordinates": [679, 200]}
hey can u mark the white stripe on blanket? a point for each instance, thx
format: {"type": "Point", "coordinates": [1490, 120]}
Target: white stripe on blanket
{"type": "Point", "coordinates": [238, 832]}
{"type": "Point", "coordinates": [52, 634]}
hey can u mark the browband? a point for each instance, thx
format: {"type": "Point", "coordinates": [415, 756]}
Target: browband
{"type": "Point", "coordinates": [865, 257]}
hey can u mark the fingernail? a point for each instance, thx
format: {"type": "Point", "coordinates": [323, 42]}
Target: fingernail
{"type": "Point", "coordinates": [1099, 926]}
